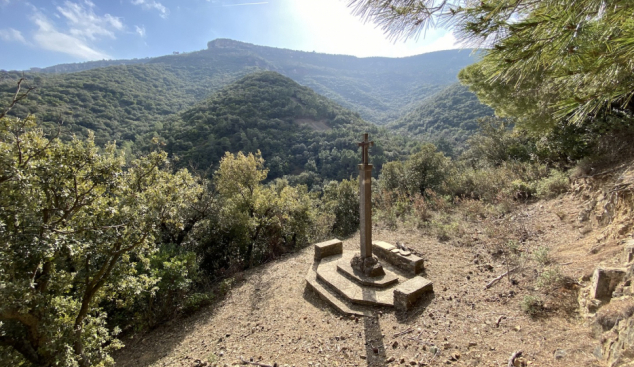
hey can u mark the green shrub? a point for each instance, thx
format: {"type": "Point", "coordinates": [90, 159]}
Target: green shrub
{"type": "Point", "coordinates": [521, 190]}
{"type": "Point", "coordinates": [531, 305]}
{"type": "Point", "coordinates": [542, 256]}
{"type": "Point", "coordinates": [556, 183]}
{"type": "Point", "coordinates": [388, 217]}
{"type": "Point", "coordinates": [473, 209]}
{"type": "Point", "coordinates": [549, 278]}
{"type": "Point", "coordinates": [225, 286]}
{"type": "Point", "coordinates": [342, 198]}
{"type": "Point", "coordinates": [195, 301]}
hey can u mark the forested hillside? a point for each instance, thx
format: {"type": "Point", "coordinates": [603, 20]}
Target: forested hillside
{"type": "Point", "coordinates": [380, 89]}
{"type": "Point", "coordinates": [117, 102]}
{"type": "Point", "coordinates": [452, 115]}
{"type": "Point", "coordinates": [296, 130]}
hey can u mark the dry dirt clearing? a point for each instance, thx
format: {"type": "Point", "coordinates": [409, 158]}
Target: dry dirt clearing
{"type": "Point", "coordinates": [269, 317]}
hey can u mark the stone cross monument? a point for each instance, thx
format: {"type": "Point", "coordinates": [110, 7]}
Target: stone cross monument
{"type": "Point", "coordinates": [365, 198]}
{"type": "Point", "coordinates": [364, 261]}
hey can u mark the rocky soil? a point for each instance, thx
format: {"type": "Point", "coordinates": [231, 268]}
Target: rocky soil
{"type": "Point", "coordinates": [270, 318]}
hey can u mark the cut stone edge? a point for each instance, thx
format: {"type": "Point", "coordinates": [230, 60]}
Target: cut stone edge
{"type": "Point", "coordinates": [324, 294]}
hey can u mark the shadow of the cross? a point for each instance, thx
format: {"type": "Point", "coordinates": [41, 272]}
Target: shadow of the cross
{"type": "Point", "coordinates": [374, 346]}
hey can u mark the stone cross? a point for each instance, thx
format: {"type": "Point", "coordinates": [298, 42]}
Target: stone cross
{"type": "Point", "coordinates": [365, 199]}
{"type": "Point", "coordinates": [365, 145]}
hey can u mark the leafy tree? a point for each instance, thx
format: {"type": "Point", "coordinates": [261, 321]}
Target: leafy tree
{"type": "Point", "coordinates": [342, 199]}
{"type": "Point", "coordinates": [75, 225]}
{"type": "Point", "coordinates": [426, 170]}
{"type": "Point", "coordinates": [258, 221]}
{"type": "Point", "coordinates": [496, 143]}
{"type": "Point", "coordinates": [392, 178]}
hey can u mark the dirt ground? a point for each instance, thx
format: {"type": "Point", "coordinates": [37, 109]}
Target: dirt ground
{"type": "Point", "coordinates": [270, 317]}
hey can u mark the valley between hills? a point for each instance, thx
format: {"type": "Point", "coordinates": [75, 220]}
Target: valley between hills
{"type": "Point", "coordinates": [162, 212]}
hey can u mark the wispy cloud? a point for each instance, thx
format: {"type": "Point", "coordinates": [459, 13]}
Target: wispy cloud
{"type": "Point", "coordinates": [11, 35]}
{"type": "Point", "coordinates": [152, 4]}
{"type": "Point", "coordinates": [83, 28]}
{"type": "Point", "coordinates": [140, 30]}
{"type": "Point", "coordinates": [85, 23]}
{"type": "Point", "coordinates": [48, 38]}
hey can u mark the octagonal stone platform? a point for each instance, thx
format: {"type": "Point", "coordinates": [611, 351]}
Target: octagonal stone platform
{"type": "Point", "coordinates": [334, 280]}
{"type": "Point", "coordinates": [347, 288]}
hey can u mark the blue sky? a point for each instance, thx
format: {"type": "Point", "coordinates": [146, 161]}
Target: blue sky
{"type": "Point", "coordinates": [43, 33]}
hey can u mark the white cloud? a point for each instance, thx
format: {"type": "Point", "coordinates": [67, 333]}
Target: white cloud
{"type": "Point", "coordinates": [85, 24]}
{"type": "Point", "coordinates": [83, 28]}
{"type": "Point", "coordinates": [151, 4]}
{"type": "Point", "coordinates": [11, 34]}
{"type": "Point", "coordinates": [140, 30]}
{"type": "Point", "coordinates": [48, 38]}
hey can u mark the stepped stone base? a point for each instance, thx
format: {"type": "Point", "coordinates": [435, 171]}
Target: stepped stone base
{"type": "Point", "coordinates": [348, 289]}
{"type": "Point", "coordinates": [333, 279]}
{"type": "Point", "coordinates": [332, 300]}
{"type": "Point", "coordinates": [385, 280]}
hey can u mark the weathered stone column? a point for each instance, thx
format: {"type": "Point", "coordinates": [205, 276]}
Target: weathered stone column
{"type": "Point", "coordinates": [365, 209]}
{"type": "Point", "coordinates": [364, 261]}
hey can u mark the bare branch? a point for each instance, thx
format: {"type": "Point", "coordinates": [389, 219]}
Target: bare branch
{"type": "Point", "coordinates": [17, 97]}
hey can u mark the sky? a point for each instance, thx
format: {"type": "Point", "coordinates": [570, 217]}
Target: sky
{"type": "Point", "coordinates": [44, 33]}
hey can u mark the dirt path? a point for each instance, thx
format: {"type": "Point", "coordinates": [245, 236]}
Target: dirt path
{"type": "Point", "coordinates": [272, 318]}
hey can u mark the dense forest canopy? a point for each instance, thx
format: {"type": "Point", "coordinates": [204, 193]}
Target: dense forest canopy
{"type": "Point", "coordinates": [380, 89]}
{"type": "Point", "coordinates": [451, 115]}
{"type": "Point", "coordinates": [295, 129]}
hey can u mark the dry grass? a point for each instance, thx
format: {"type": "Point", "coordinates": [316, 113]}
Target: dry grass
{"type": "Point", "coordinates": [271, 317]}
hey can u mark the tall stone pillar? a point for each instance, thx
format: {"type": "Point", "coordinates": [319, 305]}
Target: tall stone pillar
{"type": "Point", "coordinates": [365, 262]}
{"type": "Point", "coordinates": [365, 209]}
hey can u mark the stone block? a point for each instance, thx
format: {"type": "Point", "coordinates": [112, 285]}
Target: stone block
{"type": "Point", "coordinates": [629, 251]}
{"type": "Point", "coordinates": [410, 263]}
{"type": "Point", "coordinates": [605, 281]}
{"type": "Point", "coordinates": [406, 294]}
{"type": "Point", "coordinates": [328, 248]}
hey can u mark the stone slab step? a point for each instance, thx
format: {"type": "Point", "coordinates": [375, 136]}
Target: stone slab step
{"type": "Point", "coordinates": [332, 300]}
{"type": "Point", "coordinates": [349, 290]}
{"type": "Point", "coordinates": [383, 281]}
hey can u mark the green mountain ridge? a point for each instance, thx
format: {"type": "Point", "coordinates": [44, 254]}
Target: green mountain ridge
{"type": "Point", "coordinates": [296, 130]}
{"type": "Point", "coordinates": [451, 115]}
{"type": "Point", "coordinates": [381, 89]}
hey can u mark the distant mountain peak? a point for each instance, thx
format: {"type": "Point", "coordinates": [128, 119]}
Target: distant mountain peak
{"type": "Point", "coordinates": [227, 43]}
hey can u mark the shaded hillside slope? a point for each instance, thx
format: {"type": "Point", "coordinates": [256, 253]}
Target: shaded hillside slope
{"type": "Point", "coordinates": [295, 129]}
{"type": "Point", "coordinates": [451, 114]}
